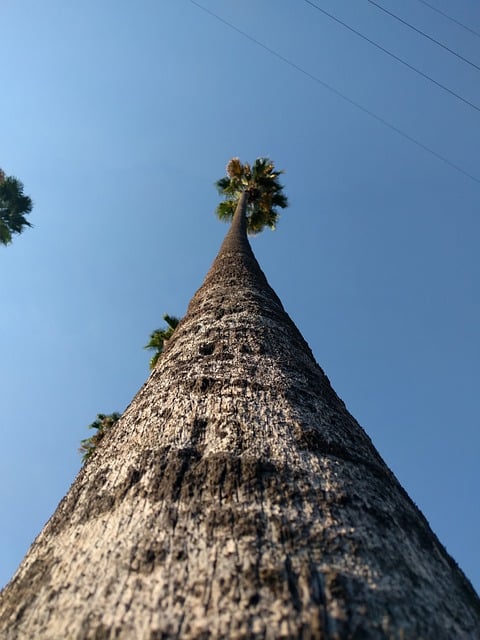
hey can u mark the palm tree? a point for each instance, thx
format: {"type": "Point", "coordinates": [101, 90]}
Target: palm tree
{"type": "Point", "coordinates": [102, 424]}
{"type": "Point", "coordinates": [262, 189]}
{"type": "Point", "coordinates": [159, 337]}
{"type": "Point", "coordinates": [14, 206]}
{"type": "Point", "coordinates": [236, 498]}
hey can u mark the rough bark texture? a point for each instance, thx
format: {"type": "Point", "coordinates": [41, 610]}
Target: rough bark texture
{"type": "Point", "coordinates": [237, 498]}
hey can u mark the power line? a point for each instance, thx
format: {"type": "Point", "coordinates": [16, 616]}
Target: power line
{"type": "Point", "coordinates": [445, 15]}
{"type": "Point", "coordinates": [422, 33]}
{"type": "Point", "coordinates": [392, 55]}
{"type": "Point", "coordinates": [338, 93]}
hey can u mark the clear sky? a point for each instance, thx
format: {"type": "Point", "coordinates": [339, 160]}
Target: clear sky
{"type": "Point", "coordinates": [119, 116]}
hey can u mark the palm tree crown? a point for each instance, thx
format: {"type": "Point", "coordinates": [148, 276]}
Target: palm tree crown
{"type": "Point", "coordinates": [264, 193]}
{"type": "Point", "coordinates": [14, 206]}
{"type": "Point", "coordinates": [160, 336]}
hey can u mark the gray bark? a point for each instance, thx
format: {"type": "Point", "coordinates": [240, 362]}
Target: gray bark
{"type": "Point", "coordinates": [237, 498]}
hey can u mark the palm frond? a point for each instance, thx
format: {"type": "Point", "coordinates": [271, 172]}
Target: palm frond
{"type": "Point", "coordinates": [280, 200]}
{"type": "Point", "coordinates": [5, 234]}
{"type": "Point", "coordinates": [259, 219]}
{"type": "Point", "coordinates": [222, 184]}
{"type": "Point", "coordinates": [234, 168]}
{"type": "Point", "coordinates": [225, 210]}
{"type": "Point", "coordinates": [172, 321]}
{"type": "Point", "coordinates": [153, 360]}
{"type": "Point", "coordinates": [159, 337]}
{"type": "Point", "coordinates": [102, 424]}
{"type": "Point", "coordinates": [14, 206]}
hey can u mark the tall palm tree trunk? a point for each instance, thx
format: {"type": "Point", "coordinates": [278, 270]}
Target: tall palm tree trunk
{"type": "Point", "coordinates": [236, 238]}
{"type": "Point", "coordinates": [237, 498]}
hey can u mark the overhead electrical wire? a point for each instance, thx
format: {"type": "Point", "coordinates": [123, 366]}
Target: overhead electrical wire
{"type": "Point", "coordinates": [422, 33]}
{"type": "Point", "coordinates": [392, 55]}
{"type": "Point", "coordinates": [338, 93]}
{"type": "Point", "coordinates": [445, 15]}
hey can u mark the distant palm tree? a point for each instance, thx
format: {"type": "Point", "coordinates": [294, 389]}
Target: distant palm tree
{"type": "Point", "coordinates": [102, 424]}
{"type": "Point", "coordinates": [14, 206]}
{"type": "Point", "coordinates": [160, 336]}
{"type": "Point", "coordinates": [263, 192]}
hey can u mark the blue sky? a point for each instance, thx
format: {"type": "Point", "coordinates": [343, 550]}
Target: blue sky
{"type": "Point", "coordinates": [119, 116]}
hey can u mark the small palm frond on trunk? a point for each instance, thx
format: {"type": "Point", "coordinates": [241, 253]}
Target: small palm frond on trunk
{"type": "Point", "coordinates": [265, 193]}
{"type": "Point", "coordinates": [102, 425]}
{"type": "Point", "coordinates": [160, 336]}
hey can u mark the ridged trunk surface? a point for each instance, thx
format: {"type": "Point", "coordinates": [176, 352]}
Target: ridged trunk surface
{"type": "Point", "coordinates": [237, 498]}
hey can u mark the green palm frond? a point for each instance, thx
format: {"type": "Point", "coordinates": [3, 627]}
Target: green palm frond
{"type": "Point", "coordinates": [14, 206]}
{"type": "Point", "coordinates": [280, 200]}
{"type": "Point", "coordinates": [172, 321]}
{"type": "Point", "coordinates": [223, 184]}
{"type": "Point", "coordinates": [226, 209]}
{"type": "Point", "coordinates": [5, 234]}
{"type": "Point", "coordinates": [259, 219]}
{"type": "Point", "coordinates": [154, 359]}
{"type": "Point", "coordinates": [262, 168]}
{"type": "Point", "coordinates": [159, 337]}
{"type": "Point", "coordinates": [102, 424]}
